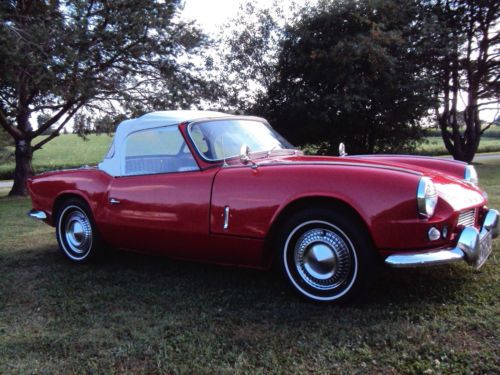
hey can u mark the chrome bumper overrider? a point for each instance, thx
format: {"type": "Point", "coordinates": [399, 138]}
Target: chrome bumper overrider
{"type": "Point", "coordinates": [37, 214]}
{"type": "Point", "coordinates": [473, 246]}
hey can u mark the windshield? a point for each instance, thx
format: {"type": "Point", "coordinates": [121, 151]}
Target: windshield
{"type": "Point", "coordinates": [220, 139]}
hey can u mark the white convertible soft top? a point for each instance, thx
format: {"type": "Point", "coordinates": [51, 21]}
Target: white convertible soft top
{"type": "Point", "coordinates": [113, 160]}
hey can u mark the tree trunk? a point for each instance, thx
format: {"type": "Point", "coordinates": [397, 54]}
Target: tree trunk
{"type": "Point", "coordinates": [23, 170]}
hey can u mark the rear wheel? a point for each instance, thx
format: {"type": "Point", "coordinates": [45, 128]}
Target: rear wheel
{"type": "Point", "coordinates": [326, 255]}
{"type": "Point", "coordinates": [77, 234]}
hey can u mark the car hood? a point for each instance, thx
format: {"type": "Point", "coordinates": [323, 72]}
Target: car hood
{"type": "Point", "coordinates": [367, 161]}
{"type": "Point", "coordinates": [457, 192]}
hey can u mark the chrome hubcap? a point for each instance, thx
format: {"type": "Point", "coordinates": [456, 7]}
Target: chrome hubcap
{"type": "Point", "coordinates": [322, 258]}
{"type": "Point", "coordinates": [78, 232]}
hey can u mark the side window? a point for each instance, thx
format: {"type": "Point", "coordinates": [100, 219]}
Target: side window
{"type": "Point", "coordinates": [158, 150]}
{"type": "Point", "coordinates": [199, 139]}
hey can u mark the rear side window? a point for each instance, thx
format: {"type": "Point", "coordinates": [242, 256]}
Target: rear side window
{"type": "Point", "coordinates": [160, 150]}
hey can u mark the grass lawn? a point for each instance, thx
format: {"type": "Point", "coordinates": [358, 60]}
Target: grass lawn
{"type": "Point", "coordinates": [151, 315]}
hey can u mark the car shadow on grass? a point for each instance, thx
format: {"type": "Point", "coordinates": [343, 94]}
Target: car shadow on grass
{"type": "Point", "coordinates": [132, 278]}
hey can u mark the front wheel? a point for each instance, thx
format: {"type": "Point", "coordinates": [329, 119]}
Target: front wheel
{"type": "Point", "coordinates": [326, 255]}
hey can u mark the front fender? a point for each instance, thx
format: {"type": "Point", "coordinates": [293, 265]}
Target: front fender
{"type": "Point", "coordinates": [255, 197]}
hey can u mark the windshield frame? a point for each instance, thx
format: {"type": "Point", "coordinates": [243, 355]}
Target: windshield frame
{"type": "Point", "coordinates": [229, 118]}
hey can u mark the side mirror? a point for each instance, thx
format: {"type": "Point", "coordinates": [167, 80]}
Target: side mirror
{"type": "Point", "coordinates": [342, 149]}
{"type": "Point", "coordinates": [245, 154]}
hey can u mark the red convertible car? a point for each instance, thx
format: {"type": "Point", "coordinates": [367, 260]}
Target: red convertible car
{"type": "Point", "coordinates": [226, 189]}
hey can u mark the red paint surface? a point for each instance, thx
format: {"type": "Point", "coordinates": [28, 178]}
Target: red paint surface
{"type": "Point", "coordinates": [182, 214]}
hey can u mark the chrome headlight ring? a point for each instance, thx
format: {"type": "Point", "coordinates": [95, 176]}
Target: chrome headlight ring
{"type": "Point", "coordinates": [470, 175]}
{"type": "Point", "coordinates": [426, 198]}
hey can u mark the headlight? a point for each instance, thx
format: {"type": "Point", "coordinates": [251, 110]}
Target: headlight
{"type": "Point", "coordinates": [470, 175]}
{"type": "Point", "coordinates": [426, 198]}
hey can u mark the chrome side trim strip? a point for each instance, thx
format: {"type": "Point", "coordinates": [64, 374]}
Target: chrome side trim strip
{"type": "Point", "coordinates": [345, 164]}
{"type": "Point", "coordinates": [37, 214]}
{"type": "Point", "coordinates": [397, 156]}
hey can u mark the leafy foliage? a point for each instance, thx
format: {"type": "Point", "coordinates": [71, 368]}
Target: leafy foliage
{"type": "Point", "coordinates": [5, 140]}
{"type": "Point", "coordinates": [466, 62]}
{"type": "Point", "coordinates": [107, 124]}
{"type": "Point", "coordinates": [366, 72]}
{"type": "Point", "coordinates": [248, 48]}
{"type": "Point", "coordinates": [82, 125]}
{"type": "Point", "coordinates": [351, 71]}
{"type": "Point", "coordinates": [85, 124]}
{"type": "Point", "coordinates": [338, 71]}
{"type": "Point", "coordinates": [89, 53]}
{"type": "Point", "coordinates": [5, 144]}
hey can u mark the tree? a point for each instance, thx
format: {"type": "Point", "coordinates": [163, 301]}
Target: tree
{"type": "Point", "coordinates": [352, 72]}
{"type": "Point", "coordinates": [466, 62]}
{"type": "Point", "coordinates": [107, 124]}
{"type": "Point", "coordinates": [61, 56]}
{"type": "Point", "coordinates": [248, 49]}
{"type": "Point", "coordinates": [42, 119]}
{"type": "Point", "coordinates": [5, 144]}
{"type": "Point", "coordinates": [82, 125]}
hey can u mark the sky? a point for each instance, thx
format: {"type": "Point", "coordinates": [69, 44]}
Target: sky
{"type": "Point", "coordinates": [212, 14]}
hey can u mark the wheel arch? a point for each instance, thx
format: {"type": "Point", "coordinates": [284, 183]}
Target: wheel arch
{"type": "Point", "coordinates": [63, 197]}
{"type": "Point", "coordinates": [303, 203]}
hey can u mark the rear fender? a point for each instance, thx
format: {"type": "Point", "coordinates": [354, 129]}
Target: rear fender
{"type": "Point", "coordinates": [48, 190]}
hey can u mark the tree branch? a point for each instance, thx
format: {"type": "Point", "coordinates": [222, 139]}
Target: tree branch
{"type": "Point", "coordinates": [9, 128]}
{"type": "Point", "coordinates": [53, 119]}
{"type": "Point", "coordinates": [55, 133]}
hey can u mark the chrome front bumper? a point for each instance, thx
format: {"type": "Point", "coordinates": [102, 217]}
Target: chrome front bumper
{"type": "Point", "coordinates": [473, 246]}
{"type": "Point", "coordinates": [37, 214]}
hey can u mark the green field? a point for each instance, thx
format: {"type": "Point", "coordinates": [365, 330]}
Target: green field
{"type": "Point", "coordinates": [145, 314]}
{"type": "Point", "coordinates": [65, 151]}
{"type": "Point", "coordinates": [433, 145]}
{"type": "Point", "coordinates": [70, 151]}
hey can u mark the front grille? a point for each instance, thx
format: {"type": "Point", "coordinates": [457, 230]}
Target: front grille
{"type": "Point", "coordinates": [467, 218]}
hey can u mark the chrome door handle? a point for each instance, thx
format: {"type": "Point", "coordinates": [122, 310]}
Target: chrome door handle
{"type": "Point", "coordinates": [113, 201]}
{"type": "Point", "coordinates": [226, 217]}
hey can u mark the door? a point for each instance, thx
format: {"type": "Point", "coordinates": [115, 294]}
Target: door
{"type": "Point", "coordinates": [162, 201]}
